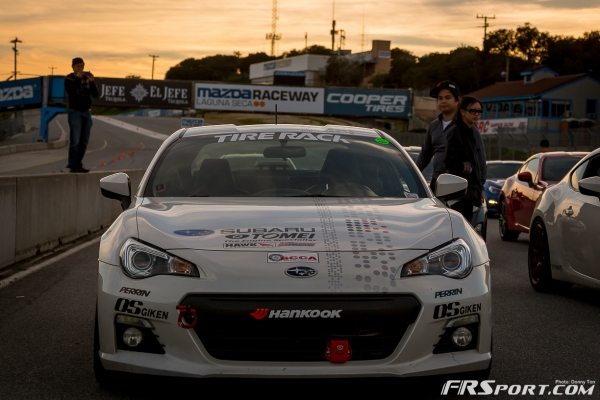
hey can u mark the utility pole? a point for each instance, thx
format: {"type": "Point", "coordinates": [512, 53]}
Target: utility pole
{"type": "Point", "coordinates": [485, 26]}
{"type": "Point", "coordinates": [273, 36]}
{"type": "Point", "coordinates": [154, 57]}
{"type": "Point", "coordinates": [52, 68]}
{"type": "Point", "coordinates": [333, 31]}
{"type": "Point", "coordinates": [342, 39]}
{"type": "Point", "coordinates": [305, 40]}
{"type": "Point", "coordinates": [14, 42]}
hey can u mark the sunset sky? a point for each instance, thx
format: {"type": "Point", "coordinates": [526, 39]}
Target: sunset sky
{"type": "Point", "coordinates": [116, 37]}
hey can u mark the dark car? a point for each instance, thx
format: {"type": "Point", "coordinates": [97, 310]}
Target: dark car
{"type": "Point", "coordinates": [497, 172]}
{"type": "Point", "coordinates": [521, 191]}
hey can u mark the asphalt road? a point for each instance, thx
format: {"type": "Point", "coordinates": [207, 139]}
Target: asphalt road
{"type": "Point", "coordinates": [112, 147]}
{"type": "Point", "coordinates": [46, 333]}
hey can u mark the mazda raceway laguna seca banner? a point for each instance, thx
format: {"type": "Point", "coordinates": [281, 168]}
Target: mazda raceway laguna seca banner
{"type": "Point", "coordinates": [303, 100]}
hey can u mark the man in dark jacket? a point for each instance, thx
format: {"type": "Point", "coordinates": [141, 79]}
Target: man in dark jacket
{"type": "Point", "coordinates": [434, 145]}
{"type": "Point", "coordinates": [80, 88]}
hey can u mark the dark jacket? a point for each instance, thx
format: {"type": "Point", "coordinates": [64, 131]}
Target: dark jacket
{"type": "Point", "coordinates": [80, 92]}
{"type": "Point", "coordinates": [463, 147]}
{"type": "Point", "coordinates": [434, 147]}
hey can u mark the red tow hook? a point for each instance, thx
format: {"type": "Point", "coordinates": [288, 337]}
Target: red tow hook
{"type": "Point", "coordinates": [338, 351]}
{"type": "Point", "coordinates": [188, 317]}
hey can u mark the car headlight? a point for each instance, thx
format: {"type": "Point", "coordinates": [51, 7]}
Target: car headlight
{"type": "Point", "coordinates": [453, 261]}
{"type": "Point", "coordinates": [141, 261]}
{"type": "Point", "coordinates": [493, 189]}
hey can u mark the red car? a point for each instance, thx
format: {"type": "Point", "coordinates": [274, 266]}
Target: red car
{"type": "Point", "coordinates": [521, 191]}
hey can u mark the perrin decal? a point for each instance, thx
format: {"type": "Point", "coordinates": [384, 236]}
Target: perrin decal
{"type": "Point", "coordinates": [449, 292]}
{"type": "Point", "coordinates": [135, 292]}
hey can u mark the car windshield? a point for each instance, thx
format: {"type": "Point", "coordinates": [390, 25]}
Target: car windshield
{"type": "Point", "coordinates": [501, 170]}
{"type": "Point", "coordinates": [428, 171]}
{"type": "Point", "coordinates": [217, 165]}
{"type": "Point", "coordinates": [555, 168]}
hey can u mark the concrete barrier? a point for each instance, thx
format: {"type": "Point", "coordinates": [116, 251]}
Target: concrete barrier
{"type": "Point", "coordinates": [39, 213]}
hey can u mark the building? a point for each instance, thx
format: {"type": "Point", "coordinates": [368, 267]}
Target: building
{"type": "Point", "coordinates": [544, 101]}
{"type": "Point", "coordinates": [308, 69]}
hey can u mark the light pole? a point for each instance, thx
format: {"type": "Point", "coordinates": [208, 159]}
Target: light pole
{"type": "Point", "coordinates": [154, 57]}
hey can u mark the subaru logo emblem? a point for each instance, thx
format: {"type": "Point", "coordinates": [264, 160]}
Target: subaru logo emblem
{"type": "Point", "coordinates": [301, 272]}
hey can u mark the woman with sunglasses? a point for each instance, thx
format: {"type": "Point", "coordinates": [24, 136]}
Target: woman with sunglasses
{"type": "Point", "coordinates": [462, 155]}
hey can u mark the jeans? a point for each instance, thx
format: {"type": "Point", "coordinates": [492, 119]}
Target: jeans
{"type": "Point", "coordinates": [80, 126]}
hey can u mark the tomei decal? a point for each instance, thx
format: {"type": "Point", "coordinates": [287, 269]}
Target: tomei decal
{"type": "Point", "coordinates": [454, 309]}
{"type": "Point", "coordinates": [319, 137]}
{"type": "Point", "coordinates": [292, 257]}
{"type": "Point", "coordinates": [266, 237]}
{"type": "Point", "coordinates": [266, 313]}
{"type": "Point", "coordinates": [135, 292]}
{"type": "Point", "coordinates": [449, 292]}
{"type": "Point", "coordinates": [136, 307]}
{"type": "Point", "coordinates": [301, 272]}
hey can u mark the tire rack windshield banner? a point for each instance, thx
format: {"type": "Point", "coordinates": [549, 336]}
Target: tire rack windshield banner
{"type": "Point", "coordinates": [117, 92]}
{"type": "Point", "coordinates": [259, 98]}
{"type": "Point", "coordinates": [20, 93]}
{"type": "Point", "coordinates": [368, 103]}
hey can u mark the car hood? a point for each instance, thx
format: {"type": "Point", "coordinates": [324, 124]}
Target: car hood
{"type": "Point", "coordinates": [301, 224]}
{"type": "Point", "coordinates": [495, 182]}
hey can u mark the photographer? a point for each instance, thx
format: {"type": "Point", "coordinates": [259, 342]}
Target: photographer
{"type": "Point", "coordinates": [80, 88]}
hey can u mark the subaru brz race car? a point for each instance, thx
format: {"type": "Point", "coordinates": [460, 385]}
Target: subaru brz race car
{"type": "Point", "coordinates": [289, 251]}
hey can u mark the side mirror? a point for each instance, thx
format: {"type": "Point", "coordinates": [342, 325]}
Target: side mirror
{"type": "Point", "coordinates": [448, 187]}
{"type": "Point", "coordinates": [525, 177]}
{"type": "Point", "coordinates": [590, 186]}
{"type": "Point", "coordinates": [117, 186]}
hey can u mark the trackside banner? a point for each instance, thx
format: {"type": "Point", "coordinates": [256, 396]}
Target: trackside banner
{"type": "Point", "coordinates": [368, 103]}
{"type": "Point", "coordinates": [117, 92]}
{"type": "Point", "coordinates": [301, 100]}
{"type": "Point", "coordinates": [20, 93]}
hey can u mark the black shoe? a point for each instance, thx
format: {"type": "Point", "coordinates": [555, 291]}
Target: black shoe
{"type": "Point", "coordinates": [79, 170]}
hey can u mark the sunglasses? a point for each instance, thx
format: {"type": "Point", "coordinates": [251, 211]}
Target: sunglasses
{"type": "Point", "coordinates": [475, 111]}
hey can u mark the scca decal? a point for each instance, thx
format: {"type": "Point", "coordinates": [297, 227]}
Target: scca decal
{"type": "Point", "coordinates": [453, 309]}
{"type": "Point", "coordinates": [136, 307]}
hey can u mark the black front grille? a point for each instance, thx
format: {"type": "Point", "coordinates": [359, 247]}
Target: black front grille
{"type": "Point", "coordinates": [372, 324]}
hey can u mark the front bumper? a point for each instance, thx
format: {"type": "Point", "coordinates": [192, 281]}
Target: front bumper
{"type": "Point", "coordinates": [421, 324]}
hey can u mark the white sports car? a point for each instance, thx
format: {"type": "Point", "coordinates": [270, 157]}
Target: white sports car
{"type": "Point", "coordinates": [289, 251]}
{"type": "Point", "coordinates": [564, 238]}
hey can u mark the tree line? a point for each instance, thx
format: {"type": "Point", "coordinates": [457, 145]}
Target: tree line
{"type": "Point", "coordinates": [504, 51]}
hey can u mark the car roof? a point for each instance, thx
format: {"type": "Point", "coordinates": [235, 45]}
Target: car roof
{"type": "Point", "coordinates": [229, 128]}
{"type": "Point", "coordinates": [550, 154]}
{"type": "Point", "coordinates": [504, 162]}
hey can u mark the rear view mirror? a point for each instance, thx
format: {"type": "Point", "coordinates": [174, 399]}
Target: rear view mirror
{"type": "Point", "coordinates": [284, 152]}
